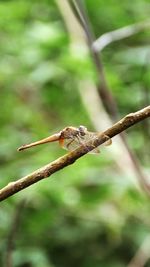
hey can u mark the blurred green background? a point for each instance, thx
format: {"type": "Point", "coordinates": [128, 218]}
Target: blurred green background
{"type": "Point", "coordinates": [88, 214]}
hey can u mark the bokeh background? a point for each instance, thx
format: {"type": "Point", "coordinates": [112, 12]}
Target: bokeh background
{"type": "Point", "coordinates": [96, 211]}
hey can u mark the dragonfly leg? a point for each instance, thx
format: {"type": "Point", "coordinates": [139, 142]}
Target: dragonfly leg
{"type": "Point", "coordinates": [69, 144]}
{"type": "Point", "coordinates": [95, 149]}
{"type": "Point", "coordinates": [79, 141]}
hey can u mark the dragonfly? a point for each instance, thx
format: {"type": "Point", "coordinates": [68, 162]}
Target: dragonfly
{"type": "Point", "coordinates": [69, 138]}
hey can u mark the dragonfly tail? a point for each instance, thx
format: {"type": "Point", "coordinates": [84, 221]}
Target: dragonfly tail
{"type": "Point", "coordinates": [51, 138]}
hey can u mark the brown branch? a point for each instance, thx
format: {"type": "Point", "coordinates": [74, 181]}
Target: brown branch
{"type": "Point", "coordinates": [71, 157]}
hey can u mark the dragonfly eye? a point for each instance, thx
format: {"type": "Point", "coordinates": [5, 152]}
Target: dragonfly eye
{"type": "Point", "coordinates": [82, 130]}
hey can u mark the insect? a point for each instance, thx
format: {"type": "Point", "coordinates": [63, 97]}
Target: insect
{"type": "Point", "coordinates": [69, 138]}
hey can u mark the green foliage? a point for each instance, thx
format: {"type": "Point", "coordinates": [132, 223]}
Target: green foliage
{"type": "Point", "coordinates": [88, 214]}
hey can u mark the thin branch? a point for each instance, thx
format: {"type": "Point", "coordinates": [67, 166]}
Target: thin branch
{"type": "Point", "coordinates": [142, 255]}
{"type": "Point", "coordinates": [145, 100]}
{"type": "Point", "coordinates": [12, 235]}
{"type": "Point", "coordinates": [71, 157]}
{"type": "Point", "coordinates": [103, 88]}
{"type": "Point", "coordinates": [119, 34]}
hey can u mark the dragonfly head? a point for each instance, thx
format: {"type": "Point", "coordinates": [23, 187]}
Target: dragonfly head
{"type": "Point", "coordinates": [82, 130]}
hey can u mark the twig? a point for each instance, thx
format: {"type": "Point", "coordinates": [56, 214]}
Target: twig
{"type": "Point", "coordinates": [145, 100]}
{"type": "Point", "coordinates": [13, 233]}
{"type": "Point", "coordinates": [119, 34]}
{"type": "Point", "coordinates": [71, 157]}
{"type": "Point", "coordinates": [103, 88]}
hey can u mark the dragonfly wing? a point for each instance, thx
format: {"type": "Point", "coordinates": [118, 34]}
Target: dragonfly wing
{"type": "Point", "coordinates": [91, 135]}
{"type": "Point", "coordinates": [73, 143]}
{"type": "Point", "coordinates": [70, 144]}
{"type": "Point", "coordinates": [108, 142]}
{"type": "Point", "coordinates": [95, 151]}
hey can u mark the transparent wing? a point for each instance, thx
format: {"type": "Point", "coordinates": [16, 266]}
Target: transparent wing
{"type": "Point", "coordinates": [73, 143]}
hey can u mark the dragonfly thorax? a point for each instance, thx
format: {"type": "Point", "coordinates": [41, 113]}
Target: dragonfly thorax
{"type": "Point", "coordinates": [71, 132]}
